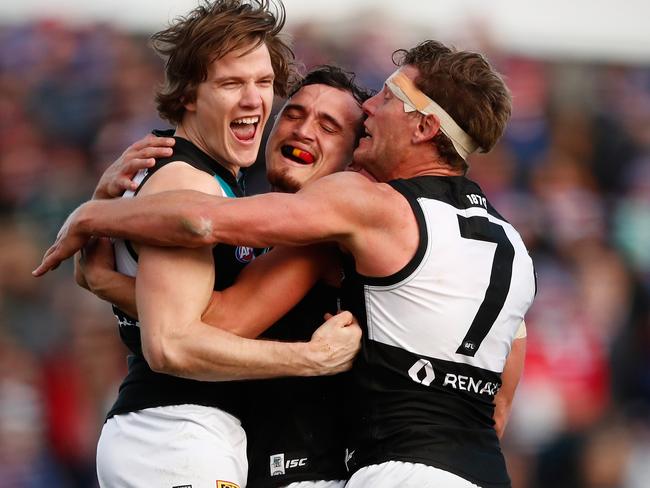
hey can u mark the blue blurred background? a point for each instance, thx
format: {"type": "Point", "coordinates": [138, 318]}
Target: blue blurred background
{"type": "Point", "coordinates": [572, 173]}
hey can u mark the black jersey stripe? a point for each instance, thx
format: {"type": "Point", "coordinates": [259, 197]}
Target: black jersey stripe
{"type": "Point", "coordinates": [415, 261]}
{"type": "Point", "coordinates": [457, 191]}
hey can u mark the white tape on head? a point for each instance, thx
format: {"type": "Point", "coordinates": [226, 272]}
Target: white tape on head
{"type": "Point", "coordinates": [415, 100]}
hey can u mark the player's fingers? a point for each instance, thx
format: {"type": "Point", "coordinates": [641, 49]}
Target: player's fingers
{"type": "Point", "coordinates": [121, 184]}
{"type": "Point", "coordinates": [48, 263]}
{"type": "Point", "coordinates": [153, 152]}
{"type": "Point", "coordinates": [147, 140]}
{"type": "Point", "coordinates": [344, 318]}
{"type": "Point", "coordinates": [104, 244]}
{"type": "Point", "coordinates": [104, 248]}
{"type": "Point", "coordinates": [153, 141]}
{"type": "Point", "coordinates": [340, 320]}
{"type": "Point", "coordinates": [135, 164]}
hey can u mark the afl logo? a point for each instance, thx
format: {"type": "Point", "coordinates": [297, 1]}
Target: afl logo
{"type": "Point", "coordinates": [244, 254]}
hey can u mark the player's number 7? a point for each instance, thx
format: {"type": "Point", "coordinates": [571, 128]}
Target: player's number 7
{"type": "Point", "coordinates": [481, 229]}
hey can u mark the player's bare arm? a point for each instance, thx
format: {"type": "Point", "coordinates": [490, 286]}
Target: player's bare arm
{"type": "Point", "coordinates": [277, 280]}
{"type": "Point", "coordinates": [95, 271]}
{"type": "Point", "coordinates": [172, 290]}
{"type": "Point", "coordinates": [344, 207]}
{"type": "Point", "coordinates": [118, 177]}
{"type": "Point", "coordinates": [510, 377]}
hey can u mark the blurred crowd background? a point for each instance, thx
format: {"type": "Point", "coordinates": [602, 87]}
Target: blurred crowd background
{"type": "Point", "coordinates": [572, 174]}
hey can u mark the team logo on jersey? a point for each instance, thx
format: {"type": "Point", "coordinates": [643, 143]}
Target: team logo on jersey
{"type": "Point", "coordinates": [277, 464]}
{"type": "Point", "coordinates": [244, 254]}
{"type": "Point", "coordinates": [471, 384]}
{"type": "Point", "coordinates": [226, 484]}
{"type": "Point", "coordinates": [422, 372]}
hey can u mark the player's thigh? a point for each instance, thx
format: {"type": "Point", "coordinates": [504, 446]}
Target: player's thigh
{"type": "Point", "coordinates": [405, 475]}
{"type": "Point", "coordinates": [316, 484]}
{"type": "Point", "coordinates": [180, 445]}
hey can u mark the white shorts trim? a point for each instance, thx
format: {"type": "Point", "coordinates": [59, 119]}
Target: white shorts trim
{"type": "Point", "coordinates": [406, 475]}
{"type": "Point", "coordinates": [167, 447]}
{"type": "Point", "coordinates": [316, 484]}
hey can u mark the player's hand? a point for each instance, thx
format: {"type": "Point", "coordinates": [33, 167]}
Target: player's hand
{"type": "Point", "coordinates": [68, 241]}
{"type": "Point", "coordinates": [142, 154]}
{"type": "Point", "coordinates": [95, 265]}
{"type": "Point", "coordinates": [335, 344]}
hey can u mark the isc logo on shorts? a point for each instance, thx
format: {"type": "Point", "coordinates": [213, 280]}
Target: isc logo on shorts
{"type": "Point", "coordinates": [279, 466]}
{"type": "Point", "coordinates": [226, 484]}
{"type": "Point", "coordinates": [244, 254]}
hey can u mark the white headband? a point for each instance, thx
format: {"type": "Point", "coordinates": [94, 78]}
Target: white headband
{"type": "Point", "coordinates": [403, 88]}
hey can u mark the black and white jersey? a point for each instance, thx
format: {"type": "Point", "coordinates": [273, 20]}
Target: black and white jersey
{"type": "Point", "coordinates": [298, 435]}
{"type": "Point", "coordinates": [142, 387]}
{"type": "Point", "coordinates": [437, 334]}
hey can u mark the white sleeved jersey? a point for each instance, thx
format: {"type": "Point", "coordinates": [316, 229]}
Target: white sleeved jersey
{"type": "Point", "coordinates": [437, 334]}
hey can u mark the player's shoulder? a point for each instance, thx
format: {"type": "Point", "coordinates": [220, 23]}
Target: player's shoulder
{"type": "Point", "coordinates": [180, 175]}
{"type": "Point", "coordinates": [347, 184]}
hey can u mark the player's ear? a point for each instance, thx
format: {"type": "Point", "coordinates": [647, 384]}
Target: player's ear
{"type": "Point", "coordinates": [189, 102]}
{"type": "Point", "coordinates": [426, 129]}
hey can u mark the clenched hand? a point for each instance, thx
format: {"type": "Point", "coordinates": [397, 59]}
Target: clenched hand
{"type": "Point", "coordinates": [335, 344]}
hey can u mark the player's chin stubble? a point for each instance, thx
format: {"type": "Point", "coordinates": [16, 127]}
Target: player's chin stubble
{"type": "Point", "coordinates": [281, 181]}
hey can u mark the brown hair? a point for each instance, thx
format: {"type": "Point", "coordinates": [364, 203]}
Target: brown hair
{"type": "Point", "coordinates": [465, 85]}
{"type": "Point", "coordinates": [191, 43]}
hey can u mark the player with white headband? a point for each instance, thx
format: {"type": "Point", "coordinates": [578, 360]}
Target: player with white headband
{"type": "Point", "coordinates": [414, 100]}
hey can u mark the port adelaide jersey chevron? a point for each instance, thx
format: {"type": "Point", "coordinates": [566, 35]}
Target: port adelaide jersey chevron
{"type": "Point", "coordinates": [142, 387]}
{"type": "Point", "coordinates": [437, 335]}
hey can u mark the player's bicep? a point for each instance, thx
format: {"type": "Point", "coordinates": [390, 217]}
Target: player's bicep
{"type": "Point", "coordinates": [268, 288]}
{"type": "Point", "coordinates": [173, 287]}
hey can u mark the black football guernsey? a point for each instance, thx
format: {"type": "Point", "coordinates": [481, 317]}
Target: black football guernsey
{"type": "Point", "coordinates": [142, 387]}
{"type": "Point", "coordinates": [436, 336]}
{"type": "Point", "coordinates": [294, 426]}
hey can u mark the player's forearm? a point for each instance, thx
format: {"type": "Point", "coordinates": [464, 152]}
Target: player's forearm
{"type": "Point", "coordinates": [153, 220]}
{"type": "Point", "coordinates": [278, 280]}
{"type": "Point", "coordinates": [117, 289]}
{"type": "Point", "coordinates": [194, 219]}
{"type": "Point", "coordinates": [269, 220]}
{"type": "Point", "coordinates": [108, 285]}
{"type": "Point", "coordinates": [205, 353]}
{"type": "Point", "coordinates": [510, 379]}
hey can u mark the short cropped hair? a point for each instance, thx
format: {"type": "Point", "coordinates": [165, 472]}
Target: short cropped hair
{"type": "Point", "coordinates": [465, 85]}
{"type": "Point", "coordinates": [209, 32]}
{"type": "Point", "coordinates": [336, 78]}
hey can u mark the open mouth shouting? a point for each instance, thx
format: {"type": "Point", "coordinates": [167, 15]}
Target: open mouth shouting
{"type": "Point", "coordinates": [297, 155]}
{"type": "Point", "coordinates": [245, 128]}
{"type": "Point", "coordinates": [366, 133]}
